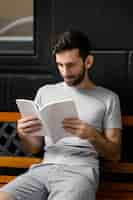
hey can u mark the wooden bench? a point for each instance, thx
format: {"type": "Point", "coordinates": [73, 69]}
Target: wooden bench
{"type": "Point", "coordinates": [109, 189]}
{"type": "Point", "coordinates": [117, 182]}
{"type": "Point", "coordinates": [10, 167]}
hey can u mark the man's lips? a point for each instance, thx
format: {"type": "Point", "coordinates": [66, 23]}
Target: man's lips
{"type": "Point", "coordinates": [68, 78]}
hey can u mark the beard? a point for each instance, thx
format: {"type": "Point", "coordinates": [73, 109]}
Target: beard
{"type": "Point", "coordinates": [77, 79]}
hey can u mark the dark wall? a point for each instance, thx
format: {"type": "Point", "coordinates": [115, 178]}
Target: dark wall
{"type": "Point", "coordinates": [109, 26]}
{"type": "Point", "coordinates": [108, 23]}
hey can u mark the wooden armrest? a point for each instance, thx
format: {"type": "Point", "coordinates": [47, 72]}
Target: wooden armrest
{"type": "Point", "coordinates": [25, 162]}
{"type": "Point", "coordinates": [18, 162]}
{"type": "Point", "coordinates": [122, 168]}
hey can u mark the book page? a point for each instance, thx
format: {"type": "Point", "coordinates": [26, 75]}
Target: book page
{"type": "Point", "coordinates": [28, 108]}
{"type": "Point", "coordinates": [54, 113]}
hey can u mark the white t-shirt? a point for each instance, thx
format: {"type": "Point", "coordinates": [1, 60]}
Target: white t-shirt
{"type": "Point", "coordinates": [99, 107]}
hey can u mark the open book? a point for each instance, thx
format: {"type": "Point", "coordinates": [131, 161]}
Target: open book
{"type": "Point", "coordinates": [51, 116]}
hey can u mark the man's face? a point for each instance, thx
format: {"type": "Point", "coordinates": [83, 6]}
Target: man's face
{"type": "Point", "coordinates": [71, 67]}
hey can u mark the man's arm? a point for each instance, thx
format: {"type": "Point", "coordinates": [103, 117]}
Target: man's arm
{"type": "Point", "coordinates": [26, 126]}
{"type": "Point", "coordinates": [107, 144]}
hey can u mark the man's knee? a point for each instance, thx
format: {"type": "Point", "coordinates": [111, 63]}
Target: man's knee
{"type": "Point", "coordinates": [6, 196]}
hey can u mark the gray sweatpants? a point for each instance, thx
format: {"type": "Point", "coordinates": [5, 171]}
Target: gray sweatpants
{"type": "Point", "coordinates": [55, 182]}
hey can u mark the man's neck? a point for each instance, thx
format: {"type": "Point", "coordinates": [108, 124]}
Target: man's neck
{"type": "Point", "coordinates": [86, 85]}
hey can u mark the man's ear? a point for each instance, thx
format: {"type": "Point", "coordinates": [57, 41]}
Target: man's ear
{"type": "Point", "coordinates": [89, 61]}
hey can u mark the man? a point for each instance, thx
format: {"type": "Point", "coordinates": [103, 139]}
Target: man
{"type": "Point", "coordinates": [70, 169]}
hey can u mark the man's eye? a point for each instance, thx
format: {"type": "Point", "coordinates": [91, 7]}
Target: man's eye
{"type": "Point", "coordinates": [59, 65]}
{"type": "Point", "coordinates": [70, 65]}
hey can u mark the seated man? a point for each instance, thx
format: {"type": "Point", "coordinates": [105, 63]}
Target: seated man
{"type": "Point", "coordinates": [70, 170]}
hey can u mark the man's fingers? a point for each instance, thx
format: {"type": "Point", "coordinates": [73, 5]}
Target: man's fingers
{"type": "Point", "coordinates": [31, 129]}
{"type": "Point", "coordinates": [28, 124]}
{"type": "Point", "coordinates": [28, 118]}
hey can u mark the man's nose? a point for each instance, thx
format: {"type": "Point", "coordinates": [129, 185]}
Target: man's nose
{"type": "Point", "coordinates": [65, 70]}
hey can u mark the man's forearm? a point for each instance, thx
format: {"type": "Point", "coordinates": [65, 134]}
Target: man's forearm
{"type": "Point", "coordinates": [107, 149]}
{"type": "Point", "coordinates": [32, 143]}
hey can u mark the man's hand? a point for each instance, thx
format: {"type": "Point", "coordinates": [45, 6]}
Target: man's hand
{"type": "Point", "coordinates": [79, 128]}
{"type": "Point", "coordinates": [28, 125]}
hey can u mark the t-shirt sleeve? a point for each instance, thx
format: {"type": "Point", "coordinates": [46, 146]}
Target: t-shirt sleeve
{"type": "Point", "coordinates": [112, 118]}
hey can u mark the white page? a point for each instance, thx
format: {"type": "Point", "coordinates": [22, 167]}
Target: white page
{"type": "Point", "coordinates": [28, 108]}
{"type": "Point", "coordinates": [54, 114]}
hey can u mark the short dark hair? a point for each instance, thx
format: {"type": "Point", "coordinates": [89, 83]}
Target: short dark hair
{"type": "Point", "coordinates": [72, 40]}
